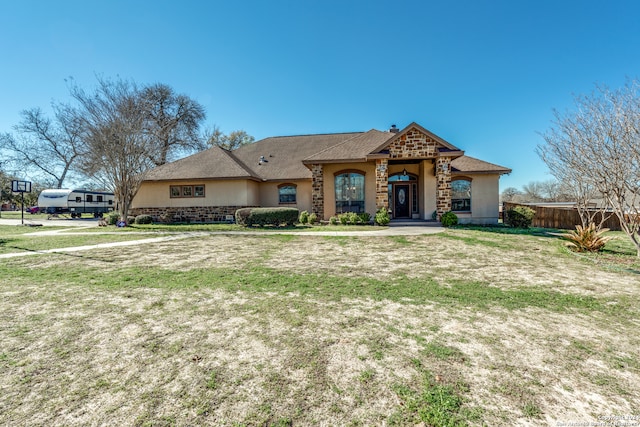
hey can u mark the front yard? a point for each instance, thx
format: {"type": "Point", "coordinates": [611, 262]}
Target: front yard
{"type": "Point", "coordinates": [466, 327]}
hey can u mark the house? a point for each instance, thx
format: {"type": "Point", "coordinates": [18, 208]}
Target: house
{"type": "Point", "coordinates": [412, 172]}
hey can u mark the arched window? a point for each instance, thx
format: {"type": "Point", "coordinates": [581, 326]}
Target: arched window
{"type": "Point", "coordinates": [287, 194]}
{"type": "Point", "coordinates": [349, 192]}
{"type": "Point", "coordinates": [461, 195]}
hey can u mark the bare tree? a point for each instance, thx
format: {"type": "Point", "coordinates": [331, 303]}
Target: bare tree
{"type": "Point", "coordinates": [511, 194]}
{"type": "Point", "coordinates": [48, 147]}
{"type": "Point", "coordinates": [118, 149]}
{"type": "Point", "coordinates": [533, 192]}
{"type": "Point", "coordinates": [173, 121]}
{"type": "Point", "coordinates": [597, 147]}
{"type": "Point", "coordinates": [234, 140]}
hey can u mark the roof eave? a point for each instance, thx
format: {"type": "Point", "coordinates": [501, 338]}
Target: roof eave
{"type": "Point", "coordinates": [501, 172]}
{"type": "Point", "coordinates": [324, 161]}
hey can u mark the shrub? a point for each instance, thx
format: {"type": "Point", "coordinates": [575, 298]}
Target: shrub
{"type": "Point", "coordinates": [333, 220]}
{"type": "Point", "coordinates": [449, 219]}
{"type": "Point", "coordinates": [304, 217]}
{"type": "Point", "coordinates": [351, 218]}
{"type": "Point", "coordinates": [519, 217]}
{"type": "Point", "coordinates": [586, 239]}
{"type": "Point", "coordinates": [267, 216]}
{"type": "Point", "coordinates": [143, 219]}
{"type": "Point", "coordinates": [242, 217]}
{"type": "Point", "coordinates": [112, 218]}
{"type": "Point", "coordinates": [382, 217]}
{"type": "Point", "coordinates": [365, 217]}
{"type": "Point", "coordinates": [131, 219]}
{"type": "Point", "coordinates": [313, 218]}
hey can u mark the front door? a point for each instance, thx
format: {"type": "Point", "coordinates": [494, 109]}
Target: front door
{"type": "Point", "coordinates": [401, 201]}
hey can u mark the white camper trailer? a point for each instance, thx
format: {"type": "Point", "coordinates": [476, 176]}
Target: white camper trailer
{"type": "Point", "coordinates": [75, 202]}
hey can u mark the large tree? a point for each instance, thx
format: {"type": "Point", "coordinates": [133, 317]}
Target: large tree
{"type": "Point", "coordinates": [118, 150]}
{"type": "Point", "coordinates": [128, 130]}
{"type": "Point", "coordinates": [173, 122]}
{"type": "Point", "coordinates": [597, 148]}
{"type": "Point", "coordinates": [47, 147]}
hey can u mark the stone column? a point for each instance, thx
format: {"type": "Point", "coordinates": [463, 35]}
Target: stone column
{"type": "Point", "coordinates": [317, 190]}
{"type": "Point", "coordinates": [382, 182]}
{"type": "Point", "coordinates": [443, 180]}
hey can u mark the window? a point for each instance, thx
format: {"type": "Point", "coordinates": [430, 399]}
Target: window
{"type": "Point", "coordinates": [186, 191]}
{"type": "Point", "coordinates": [99, 199]}
{"type": "Point", "coordinates": [461, 195]}
{"type": "Point", "coordinates": [78, 199]}
{"type": "Point", "coordinates": [287, 193]}
{"type": "Point", "coordinates": [89, 198]}
{"type": "Point", "coordinates": [349, 192]}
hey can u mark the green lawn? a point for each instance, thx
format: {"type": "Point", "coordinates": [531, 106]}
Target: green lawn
{"type": "Point", "coordinates": [484, 326]}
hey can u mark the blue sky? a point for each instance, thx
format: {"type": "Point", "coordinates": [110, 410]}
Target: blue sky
{"type": "Point", "coordinates": [484, 75]}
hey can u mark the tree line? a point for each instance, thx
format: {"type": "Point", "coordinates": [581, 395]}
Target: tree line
{"type": "Point", "coordinates": [109, 137]}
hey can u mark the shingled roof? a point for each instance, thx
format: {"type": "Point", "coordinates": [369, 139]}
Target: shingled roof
{"type": "Point", "coordinates": [283, 155]}
{"type": "Point", "coordinates": [466, 164]}
{"type": "Point", "coordinates": [284, 158]}
{"type": "Point", "coordinates": [353, 149]}
{"type": "Point", "coordinates": [209, 164]}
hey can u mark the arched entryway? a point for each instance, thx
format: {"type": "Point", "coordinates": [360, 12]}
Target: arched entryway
{"type": "Point", "coordinates": [403, 195]}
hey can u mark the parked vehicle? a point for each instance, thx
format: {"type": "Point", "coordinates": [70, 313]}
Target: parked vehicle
{"type": "Point", "coordinates": [75, 202]}
{"type": "Point", "coordinates": [33, 210]}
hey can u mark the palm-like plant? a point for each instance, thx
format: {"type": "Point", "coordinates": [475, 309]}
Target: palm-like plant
{"type": "Point", "coordinates": [587, 239]}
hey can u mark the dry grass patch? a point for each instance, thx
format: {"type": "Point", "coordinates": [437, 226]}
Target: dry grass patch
{"type": "Point", "coordinates": [461, 328]}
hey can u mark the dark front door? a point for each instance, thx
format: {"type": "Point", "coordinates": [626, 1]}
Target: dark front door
{"type": "Point", "coordinates": [401, 201]}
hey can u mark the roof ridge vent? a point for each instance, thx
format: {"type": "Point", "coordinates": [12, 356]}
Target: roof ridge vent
{"type": "Point", "coordinates": [394, 129]}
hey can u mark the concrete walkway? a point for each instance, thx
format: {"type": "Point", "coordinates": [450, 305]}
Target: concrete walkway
{"type": "Point", "coordinates": [398, 230]}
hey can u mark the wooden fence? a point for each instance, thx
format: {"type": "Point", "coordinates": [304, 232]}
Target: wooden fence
{"type": "Point", "coordinates": [561, 217]}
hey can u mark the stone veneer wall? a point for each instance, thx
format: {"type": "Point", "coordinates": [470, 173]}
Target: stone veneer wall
{"type": "Point", "coordinates": [413, 144]}
{"type": "Point", "coordinates": [382, 180]}
{"type": "Point", "coordinates": [201, 214]}
{"type": "Point", "coordinates": [443, 180]}
{"type": "Point", "coordinates": [317, 190]}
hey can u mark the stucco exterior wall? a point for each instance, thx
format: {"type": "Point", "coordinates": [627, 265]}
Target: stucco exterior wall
{"type": "Point", "coordinates": [428, 189]}
{"type": "Point", "coordinates": [154, 194]}
{"type": "Point", "coordinates": [484, 200]}
{"type": "Point", "coordinates": [329, 171]}
{"type": "Point", "coordinates": [269, 195]}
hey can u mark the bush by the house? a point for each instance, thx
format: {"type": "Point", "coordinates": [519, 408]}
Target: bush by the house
{"type": "Point", "coordinates": [352, 218]}
{"type": "Point", "coordinates": [242, 216]}
{"type": "Point", "coordinates": [449, 219]}
{"type": "Point", "coordinates": [304, 217]}
{"type": "Point", "coordinates": [313, 218]}
{"type": "Point", "coordinates": [267, 216]}
{"type": "Point", "coordinates": [131, 220]}
{"type": "Point", "coordinates": [144, 219]}
{"type": "Point", "coordinates": [587, 239]}
{"type": "Point", "coordinates": [519, 217]}
{"type": "Point", "coordinates": [382, 217]}
{"type": "Point", "coordinates": [112, 218]}
{"type": "Point", "coordinates": [333, 220]}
